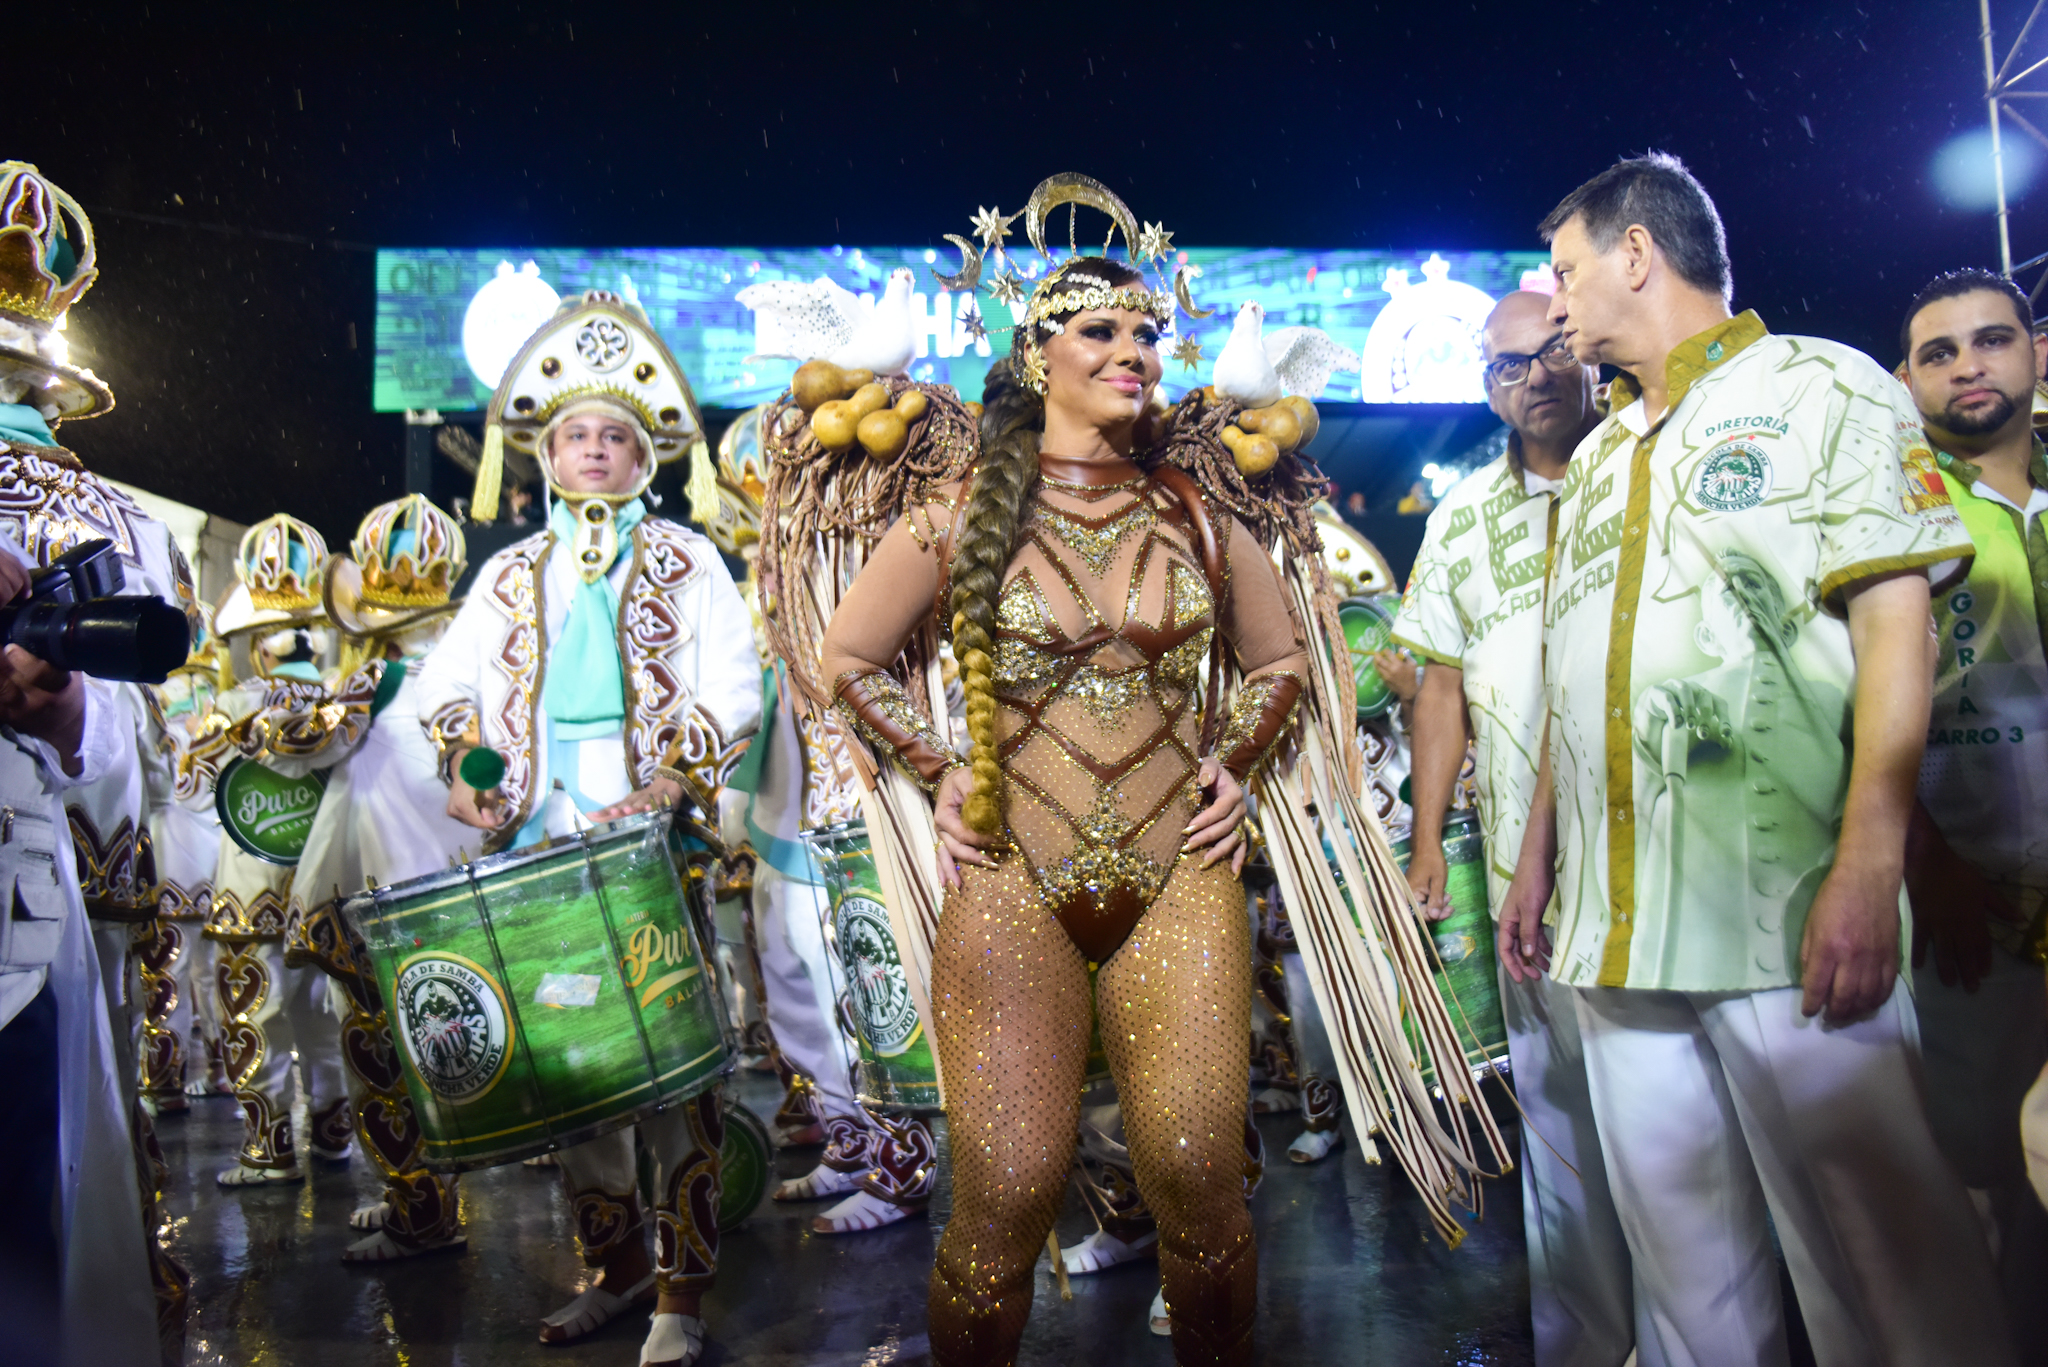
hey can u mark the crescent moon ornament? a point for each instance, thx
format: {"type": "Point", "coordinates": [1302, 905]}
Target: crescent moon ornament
{"type": "Point", "coordinates": [969, 276]}
{"type": "Point", "coordinates": [1073, 188]}
{"type": "Point", "coordinates": [1186, 300]}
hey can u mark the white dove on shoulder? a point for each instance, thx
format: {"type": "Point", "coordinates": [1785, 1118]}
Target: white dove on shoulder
{"type": "Point", "coordinates": [826, 321]}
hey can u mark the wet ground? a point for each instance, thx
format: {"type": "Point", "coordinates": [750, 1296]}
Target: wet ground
{"type": "Point", "coordinates": [1348, 1273]}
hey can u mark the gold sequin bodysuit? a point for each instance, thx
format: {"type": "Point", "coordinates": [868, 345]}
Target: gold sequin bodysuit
{"type": "Point", "coordinates": [1104, 627]}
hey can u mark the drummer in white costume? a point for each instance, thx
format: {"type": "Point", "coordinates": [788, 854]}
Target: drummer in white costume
{"type": "Point", "coordinates": [612, 655]}
{"type": "Point", "coordinates": [379, 821]}
{"type": "Point", "coordinates": [268, 1010]}
{"type": "Point", "coordinates": [800, 777]}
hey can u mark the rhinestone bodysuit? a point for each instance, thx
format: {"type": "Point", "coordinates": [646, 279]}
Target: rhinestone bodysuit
{"type": "Point", "coordinates": [1103, 630]}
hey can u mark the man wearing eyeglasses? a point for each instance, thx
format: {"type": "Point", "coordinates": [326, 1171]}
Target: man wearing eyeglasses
{"type": "Point", "coordinates": [1474, 611]}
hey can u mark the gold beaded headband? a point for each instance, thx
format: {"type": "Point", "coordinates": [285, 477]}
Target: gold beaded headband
{"type": "Point", "coordinates": [1065, 290]}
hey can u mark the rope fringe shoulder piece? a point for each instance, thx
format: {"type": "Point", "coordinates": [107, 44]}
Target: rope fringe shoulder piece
{"type": "Point", "coordinates": [823, 512]}
{"type": "Point", "coordinates": [1369, 964]}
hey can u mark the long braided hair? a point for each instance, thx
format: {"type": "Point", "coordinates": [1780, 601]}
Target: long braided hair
{"type": "Point", "coordinates": [1012, 421]}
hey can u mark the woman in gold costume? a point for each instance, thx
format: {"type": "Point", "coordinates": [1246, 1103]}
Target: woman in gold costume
{"type": "Point", "coordinates": [1094, 826]}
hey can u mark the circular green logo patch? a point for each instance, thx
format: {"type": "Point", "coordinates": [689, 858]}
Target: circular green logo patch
{"type": "Point", "coordinates": [266, 813]}
{"type": "Point", "coordinates": [1733, 477]}
{"type": "Point", "coordinates": [451, 1015]}
{"type": "Point", "coordinates": [874, 975]}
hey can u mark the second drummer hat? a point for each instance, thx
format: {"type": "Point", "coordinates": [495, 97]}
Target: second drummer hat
{"type": "Point", "coordinates": [405, 559]}
{"type": "Point", "coordinates": [278, 571]}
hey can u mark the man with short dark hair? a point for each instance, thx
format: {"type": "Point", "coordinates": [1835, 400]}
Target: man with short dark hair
{"type": "Point", "coordinates": [1741, 569]}
{"type": "Point", "coordinates": [1976, 857]}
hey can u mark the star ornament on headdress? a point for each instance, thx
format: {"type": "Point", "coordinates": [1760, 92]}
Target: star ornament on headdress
{"type": "Point", "coordinates": [1188, 352]}
{"type": "Point", "coordinates": [973, 326]}
{"type": "Point", "coordinates": [1154, 241]}
{"type": "Point", "coordinates": [1006, 289]}
{"type": "Point", "coordinates": [992, 226]}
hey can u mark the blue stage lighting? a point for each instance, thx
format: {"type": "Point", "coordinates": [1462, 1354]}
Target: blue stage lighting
{"type": "Point", "coordinates": [1961, 171]}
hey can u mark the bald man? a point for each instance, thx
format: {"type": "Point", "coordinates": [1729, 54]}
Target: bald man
{"type": "Point", "coordinates": [1474, 611]}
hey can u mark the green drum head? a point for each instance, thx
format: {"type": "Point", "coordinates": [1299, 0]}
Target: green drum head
{"type": "Point", "coordinates": [1368, 629]}
{"type": "Point", "coordinates": [746, 1165]}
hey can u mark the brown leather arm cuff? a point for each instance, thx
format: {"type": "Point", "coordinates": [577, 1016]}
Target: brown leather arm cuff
{"type": "Point", "coordinates": [880, 710]}
{"type": "Point", "coordinates": [1261, 715]}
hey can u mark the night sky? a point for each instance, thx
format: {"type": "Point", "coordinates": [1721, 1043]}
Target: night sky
{"type": "Point", "coordinates": [238, 164]}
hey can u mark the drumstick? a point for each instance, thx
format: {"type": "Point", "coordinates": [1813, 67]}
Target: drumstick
{"type": "Point", "coordinates": [1059, 1264]}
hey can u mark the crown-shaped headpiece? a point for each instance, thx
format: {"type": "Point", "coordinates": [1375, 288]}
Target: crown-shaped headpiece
{"type": "Point", "coordinates": [280, 562]}
{"type": "Point", "coordinates": [44, 267]}
{"type": "Point", "coordinates": [46, 263]}
{"type": "Point", "coordinates": [1067, 289]}
{"type": "Point", "coordinates": [411, 554]}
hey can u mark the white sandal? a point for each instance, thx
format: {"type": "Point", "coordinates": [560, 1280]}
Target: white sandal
{"type": "Point", "coordinates": [242, 1175]}
{"type": "Point", "coordinates": [371, 1217]}
{"type": "Point", "coordinates": [817, 1184]}
{"type": "Point", "coordinates": [1313, 1146]}
{"type": "Point", "coordinates": [592, 1311]}
{"type": "Point", "coordinates": [1158, 1319]}
{"type": "Point", "coordinates": [1102, 1250]}
{"type": "Point", "coordinates": [858, 1214]}
{"type": "Point", "coordinates": [1276, 1101]}
{"type": "Point", "coordinates": [673, 1341]}
{"type": "Point", "coordinates": [382, 1248]}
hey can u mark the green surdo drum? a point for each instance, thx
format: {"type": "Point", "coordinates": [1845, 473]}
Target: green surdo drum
{"type": "Point", "coordinates": [1368, 629]}
{"type": "Point", "coordinates": [1464, 944]}
{"type": "Point", "coordinates": [896, 1069]}
{"type": "Point", "coordinates": [547, 996]}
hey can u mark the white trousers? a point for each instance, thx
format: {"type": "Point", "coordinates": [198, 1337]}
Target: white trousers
{"type": "Point", "coordinates": [1716, 1108]}
{"type": "Point", "coordinates": [1981, 1051]}
{"type": "Point", "coordinates": [1582, 1301]}
{"type": "Point", "coordinates": [796, 979]}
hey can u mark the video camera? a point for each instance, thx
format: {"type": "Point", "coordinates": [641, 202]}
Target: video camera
{"type": "Point", "coordinates": [76, 617]}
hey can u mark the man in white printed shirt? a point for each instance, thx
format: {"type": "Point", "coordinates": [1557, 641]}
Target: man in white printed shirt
{"type": "Point", "coordinates": [1741, 567]}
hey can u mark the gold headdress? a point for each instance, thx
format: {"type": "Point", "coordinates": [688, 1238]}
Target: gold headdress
{"type": "Point", "coordinates": [1067, 287]}
{"type": "Point", "coordinates": [598, 349]}
{"type": "Point", "coordinates": [44, 269]}
{"type": "Point", "coordinates": [726, 494]}
{"type": "Point", "coordinates": [405, 558]}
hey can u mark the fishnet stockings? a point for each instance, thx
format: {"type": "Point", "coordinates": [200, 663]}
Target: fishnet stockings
{"type": "Point", "coordinates": [1011, 993]}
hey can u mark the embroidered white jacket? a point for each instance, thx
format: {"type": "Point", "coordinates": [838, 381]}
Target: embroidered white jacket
{"type": "Point", "coordinates": [693, 680]}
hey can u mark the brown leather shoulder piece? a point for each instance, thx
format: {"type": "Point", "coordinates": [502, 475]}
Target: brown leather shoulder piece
{"type": "Point", "coordinates": [1200, 528]}
{"type": "Point", "coordinates": [943, 548]}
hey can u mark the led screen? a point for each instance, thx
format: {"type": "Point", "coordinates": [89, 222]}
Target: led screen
{"type": "Point", "coordinates": [449, 320]}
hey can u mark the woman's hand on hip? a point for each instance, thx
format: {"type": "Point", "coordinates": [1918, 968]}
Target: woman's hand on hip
{"type": "Point", "coordinates": [1220, 825]}
{"type": "Point", "coordinates": [958, 842]}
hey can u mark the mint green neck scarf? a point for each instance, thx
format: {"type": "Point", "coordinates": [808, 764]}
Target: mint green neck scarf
{"type": "Point", "coordinates": [585, 693]}
{"type": "Point", "coordinates": [19, 422]}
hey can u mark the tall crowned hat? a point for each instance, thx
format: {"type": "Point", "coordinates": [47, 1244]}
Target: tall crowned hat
{"type": "Point", "coordinates": [598, 351]}
{"type": "Point", "coordinates": [726, 494]}
{"type": "Point", "coordinates": [278, 571]}
{"type": "Point", "coordinates": [46, 265]}
{"type": "Point", "coordinates": [401, 568]}
{"type": "Point", "coordinates": [1066, 287]}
